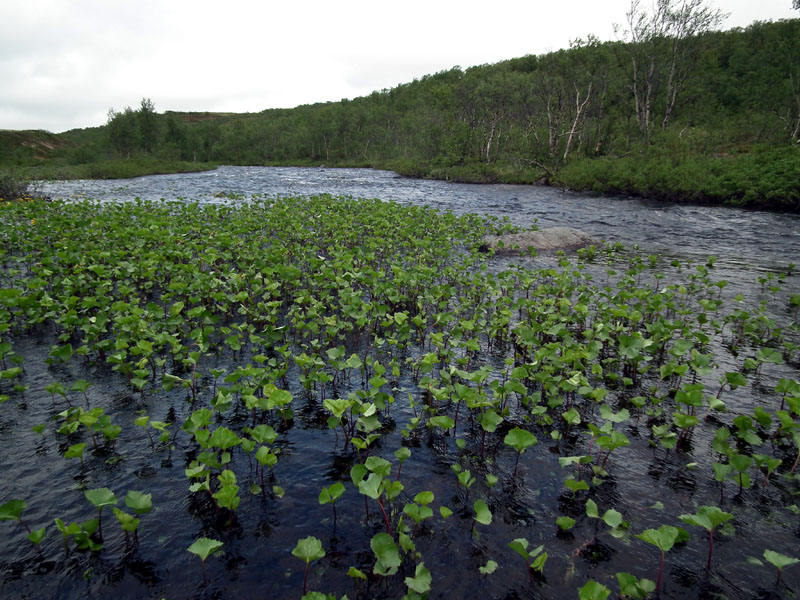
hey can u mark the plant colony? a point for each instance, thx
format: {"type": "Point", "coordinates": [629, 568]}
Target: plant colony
{"type": "Point", "coordinates": [446, 389]}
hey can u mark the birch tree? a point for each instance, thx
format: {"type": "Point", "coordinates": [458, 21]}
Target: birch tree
{"type": "Point", "coordinates": [665, 42]}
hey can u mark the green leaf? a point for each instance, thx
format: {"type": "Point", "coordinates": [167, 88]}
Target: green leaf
{"type": "Point", "coordinates": [356, 573]}
{"type": "Point", "coordinates": [402, 454]}
{"type": "Point", "coordinates": [75, 451]}
{"type": "Point", "coordinates": [593, 591]}
{"type": "Point", "coordinates": [417, 512]}
{"type": "Point", "coordinates": [629, 585]}
{"type": "Point", "coordinates": [520, 546]}
{"type": "Point", "coordinates": [331, 493]}
{"type": "Point", "coordinates": [36, 536]}
{"type": "Point", "coordinates": [574, 485]}
{"type": "Point", "coordinates": [520, 439]}
{"type": "Point", "coordinates": [565, 523]}
{"type": "Point", "coordinates": [421, 582]}
{"type": "Point", "coordinates": [204, 546]}
{"type": "Point", "coordinates": [100, 497]}
{"type": "Point", "coordinates": [138, 502]}
{"type": "Point", "coordinates": [442, 421]}
{"type": "Point", "coordinates": [223, 438]}
{"type": "Point", "coordinates": [265, 457]}
{"type": "Point", "coordinates": [424, 498]}
{"type": "Point", "coordinates": [707, 517]}
{"type": "Point", "coordinates": [385, 550]}
{"type": "Point", "coordinates": [612, 518]}
{"type": "Point", "coordinates": [308, 549]}
{"type": "Point", "coordinates": [778, 560]}
{"type": "Point", "coordinates": [371, 486]}
{"type": "Point", "coordinates": [489, 568]}
{"type": "Point", "coordinates": [490, 420]}
{"type": "Point", "coordinates": [662, 538]}
{"type": "Point", "coordinates": [482, 513]}
{"type": "Point", "coordinates": [128, 522]}
{"type": "Point", "coordinates": [379, 466]}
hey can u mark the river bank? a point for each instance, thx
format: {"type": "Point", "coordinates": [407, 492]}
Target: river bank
{"type": "Point", "coordinates": [767, 179]}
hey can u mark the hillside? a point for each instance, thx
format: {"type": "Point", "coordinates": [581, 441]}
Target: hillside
{"type": "Point", "coordinates": [707, 118]}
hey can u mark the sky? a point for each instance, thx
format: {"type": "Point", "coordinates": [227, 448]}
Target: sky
{"type": "Point", "coordinates": [65, 63]}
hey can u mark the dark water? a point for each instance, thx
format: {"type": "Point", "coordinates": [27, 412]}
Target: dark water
{"type": "Point", "coordinates": [649, 486]}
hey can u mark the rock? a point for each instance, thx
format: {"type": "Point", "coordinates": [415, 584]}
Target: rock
{"type": "Point", "coordinates": [555, 238]}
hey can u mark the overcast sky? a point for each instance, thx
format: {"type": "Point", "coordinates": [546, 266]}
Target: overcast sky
{"type": "Point", "coordinates": [64, 63]}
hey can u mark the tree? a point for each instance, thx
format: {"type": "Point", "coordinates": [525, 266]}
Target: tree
{"type": "Point", "coordinates": [148, 125]}
{"type": "Point", "coordinates": [123, 132]}
{"type": "Point", "coordinates": [664, 46]}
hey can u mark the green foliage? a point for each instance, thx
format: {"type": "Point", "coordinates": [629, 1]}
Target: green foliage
{"type": "Point", "coordinates": [308, 549]}
{"type": "Point", "coordinates": [722, 127]}
{"type": "Point", "coordinates": [204, 547]}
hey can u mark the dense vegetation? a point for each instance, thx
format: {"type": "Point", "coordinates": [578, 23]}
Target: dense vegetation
{"type": "Point", "coordinates": [710, 117]}
{"type": "Point", "coordinates": [233, 380]}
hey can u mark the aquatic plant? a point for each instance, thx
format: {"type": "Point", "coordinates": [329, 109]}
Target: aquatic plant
{"type": "Point", "coordinates": [519, 439]}
{"type": "Point", "coordinates": [663, 538]}
{"type": "Point", "coordinates": [779, 561]}
{"type": "Point", "coordinates": [709, 518]}
{"type": "Point", "coordinates": [100, 498]}
{"type": "Point", "coordinates": [204, 547]}
{"type": "Point", "coordinates": [308, 549]}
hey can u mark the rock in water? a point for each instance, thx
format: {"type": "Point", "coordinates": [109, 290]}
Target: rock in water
{"type": "Point", "coordinates": [555, 238]}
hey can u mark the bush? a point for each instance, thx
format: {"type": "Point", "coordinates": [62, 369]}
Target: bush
{"type": "Point", "coordinates": [14, 188]}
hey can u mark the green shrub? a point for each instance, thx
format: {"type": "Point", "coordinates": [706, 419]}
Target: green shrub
{"type": "Point", "coordinates": [14, 188]}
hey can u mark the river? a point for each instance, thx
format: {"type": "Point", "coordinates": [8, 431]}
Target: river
{"type": "Point", "coordinates": [650, 486]}
{"type": "Point", "coordinates": [740, 239]}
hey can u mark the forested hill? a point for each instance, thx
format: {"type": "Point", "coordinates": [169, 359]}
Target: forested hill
{"type": "Point", "coordinates": [709, 118]}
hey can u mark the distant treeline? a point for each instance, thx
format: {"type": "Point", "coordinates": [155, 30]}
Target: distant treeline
{"type": "Point", "coordinates": [707, 117]}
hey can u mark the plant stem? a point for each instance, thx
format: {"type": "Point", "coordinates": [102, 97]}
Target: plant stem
{"type": "Point", "coordinates": [385, 518]}
{"type": "Point", "coordinates": [305, 577]}
{"type": "Point", "coordinates": [710, 547]}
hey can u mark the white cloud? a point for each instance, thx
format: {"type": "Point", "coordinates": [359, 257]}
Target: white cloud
{"type": "Point", "coordinates": [64, 63]}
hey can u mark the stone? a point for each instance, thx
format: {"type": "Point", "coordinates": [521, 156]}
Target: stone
{"type": "Point", "coordinates": [543, 240]}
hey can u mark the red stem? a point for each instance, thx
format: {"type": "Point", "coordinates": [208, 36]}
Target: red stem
{"type": "Point", "coordinates": [710, 547]}
{"type": "Point", "coordinates": [385, 518]}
